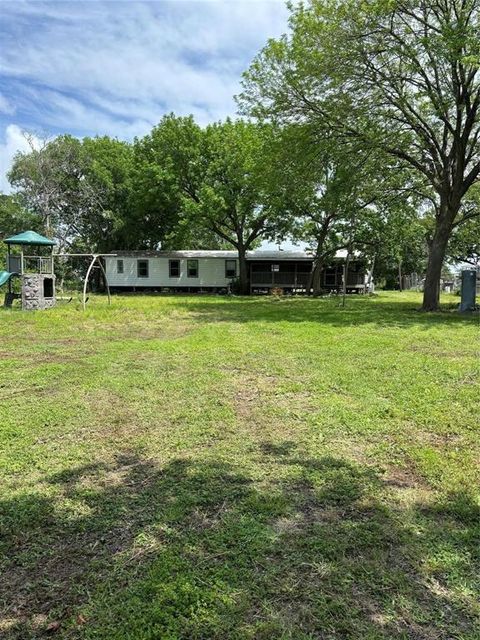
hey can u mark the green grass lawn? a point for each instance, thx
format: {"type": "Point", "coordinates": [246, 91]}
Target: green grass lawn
{"type": "Point", "coordinates": [205, 467]}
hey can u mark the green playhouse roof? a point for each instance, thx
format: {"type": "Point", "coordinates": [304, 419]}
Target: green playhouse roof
{"type": "Point", "coordinates": [30, 237]}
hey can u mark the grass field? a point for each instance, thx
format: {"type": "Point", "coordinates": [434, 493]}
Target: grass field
{"type": "Point", "coordinates": [204, 467]}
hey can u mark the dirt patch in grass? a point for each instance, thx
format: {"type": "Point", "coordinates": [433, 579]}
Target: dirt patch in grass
{"type": "Point", "coordinates": [437, 352]}
{"type": "Point", "coordinates": [403, 478]}
{"type": "Point", "coordinates": [58, 358]}
{"type": "Point", "coordinates": [112, 414]}
{"type": "Point", "coordinates": [250, 392]}
{"type": "Point", "coordinates": [470, 379]}
{"type": "Point", "coordinates": [149, 330]}
{"type": "Point", "coordinates": [445, 440]}
{"type": "Point", "coordinates": [245, 401]}
{"type": "Point", "coordinates": [36, 390]}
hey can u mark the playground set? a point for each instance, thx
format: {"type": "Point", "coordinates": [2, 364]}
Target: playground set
{"type": "Point", "coordinates": [36, 271]}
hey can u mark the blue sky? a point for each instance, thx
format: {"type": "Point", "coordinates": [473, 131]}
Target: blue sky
{"type": "Point", "coordinates": [115, 67]}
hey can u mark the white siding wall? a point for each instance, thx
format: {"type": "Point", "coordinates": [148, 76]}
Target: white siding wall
{"type": "Point", "coordinates": [211, 273]}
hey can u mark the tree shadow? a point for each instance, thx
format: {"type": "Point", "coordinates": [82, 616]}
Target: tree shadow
{"type": "Point", "coordinates": [197, 549]}
{"type": "Point", "coordinates": [359, 310]}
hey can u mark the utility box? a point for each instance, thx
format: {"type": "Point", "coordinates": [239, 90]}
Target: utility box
{"type": "Point", "coordinates": [468, 291]}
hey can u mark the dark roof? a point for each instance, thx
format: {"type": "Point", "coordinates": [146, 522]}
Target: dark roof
{"type": "Point", "coordinates": [279, 255]}
{"type": "Point", "coordinates": [148, 253]}
{"type": "Point", "coordinates": [258, 254]}
{"type": "Point", "coordinates": [30, 238]}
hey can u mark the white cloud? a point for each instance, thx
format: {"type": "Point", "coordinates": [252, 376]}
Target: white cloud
{"type": "Point", "coordinates": [116, 67]}
{"type": "Point", "coordinates": [58, 111]}
{"type": "Point", "coordinates": [5, 106]}
{"type": "Point", "coordinates": [15, 140]}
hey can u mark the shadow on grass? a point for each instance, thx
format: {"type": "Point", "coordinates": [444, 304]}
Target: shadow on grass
{"type": "Point", "coordinates": [197, 550]}
{"type": "Point", "coordinates": [358, 310]}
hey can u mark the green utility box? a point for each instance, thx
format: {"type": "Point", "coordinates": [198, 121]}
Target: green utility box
{"type": "Point", "coordinates": [468, 291]}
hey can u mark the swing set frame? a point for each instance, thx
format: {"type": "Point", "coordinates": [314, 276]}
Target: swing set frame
{"type": "Point", "coordinates": [95, 258]}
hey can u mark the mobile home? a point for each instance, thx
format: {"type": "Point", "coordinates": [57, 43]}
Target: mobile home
{"type": "Point", "coordinates": [192, 271]}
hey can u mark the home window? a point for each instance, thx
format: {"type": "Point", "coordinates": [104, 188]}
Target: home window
{"type": "Point", "coordinates": [119, 266]}
{"type": "Point", "coordinates": [331, 276]}
{"type": "Point", "coordinates": [192, 268]}
{"type": "Point", "coordinates": [174, 268]}
{"type": "Point", "coordinates": [230, 268]}
{"type": "Point", "coordinates": [142, 268]}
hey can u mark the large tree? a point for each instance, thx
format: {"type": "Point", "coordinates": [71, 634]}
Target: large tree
{"type": "Point", "coordinates": [109, 173]}
{"type": "Point", "coordinates": [49, 182]}
{"type": "Point", "coordinates": [210, 180]}
{"type": "Point", "coordinates": [400, 76]}
{"type": "Point", "coordinates": [232, 200]}
{"type": "Point", "coordinates": [169, 169]}
{"type": "Point", "coordinates": [335, 197]}
{"type": "Point", "coordinates": [80, 190]}
{"type": "Point", "coordinates": [324, 191]}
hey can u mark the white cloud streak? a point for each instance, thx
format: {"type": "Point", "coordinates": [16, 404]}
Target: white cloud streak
{"type": "Point", "coordinates": [5, 105]}
{"type": "Point", "coordinates": [134, 60]}
{"type": "Point", "coordinates": [116, 67]}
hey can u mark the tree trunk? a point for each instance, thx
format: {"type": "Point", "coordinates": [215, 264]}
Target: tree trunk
{"type": "Point", "coordinates": [314, 282]}
{"type": "Point", "coordinates": [370, 275]}
{"type": "Point", "coordinates": [243, 272]}
{"type": "Point", "coordinates": [316, 279]}
{"type": "Point", "coordinates": [438, 247]}
{"type": "Point", "coordinates": [345, 277]}
{"type": "Point", "coordinates": [400, 283]}
{"type": "Point", "coordinates": [308, 290]}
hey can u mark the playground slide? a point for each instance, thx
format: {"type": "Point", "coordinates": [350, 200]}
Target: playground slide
{"type": "Point", "coordinates": [5, 277]}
